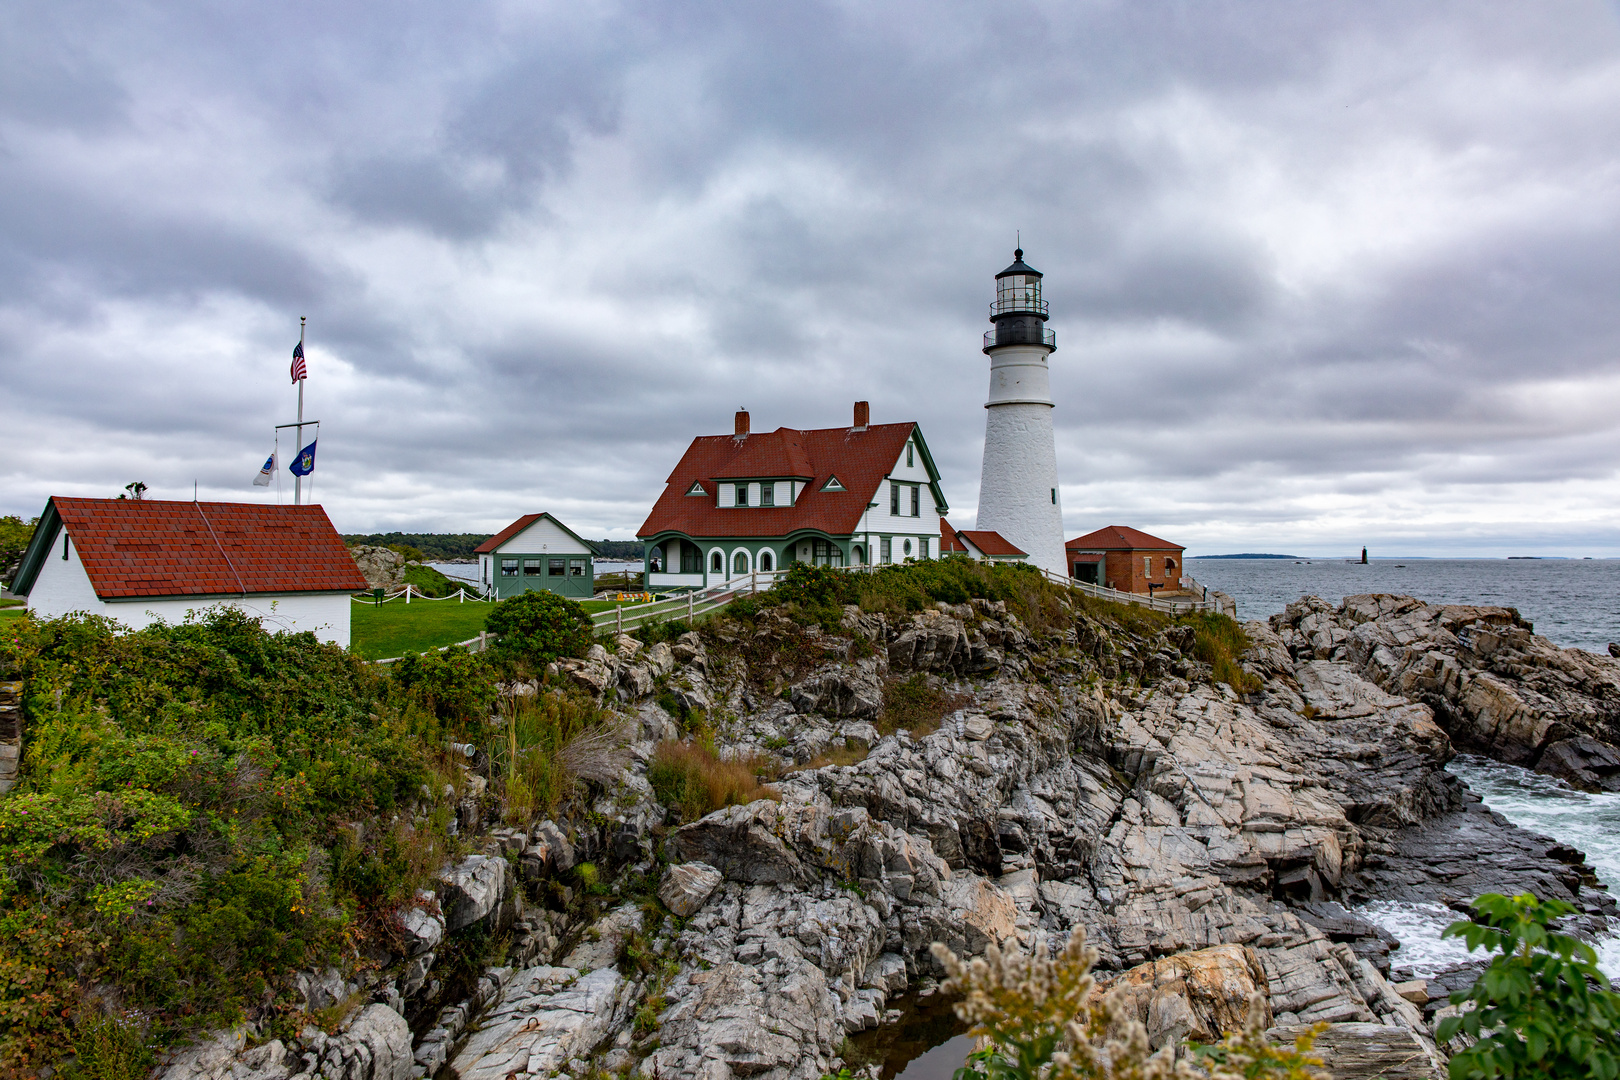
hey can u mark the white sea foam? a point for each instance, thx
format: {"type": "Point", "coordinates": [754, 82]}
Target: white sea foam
{"type": "Point", "coordinates": [1532, 801]}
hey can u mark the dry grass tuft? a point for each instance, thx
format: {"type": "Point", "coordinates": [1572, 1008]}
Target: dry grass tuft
{"type": "Point", "coordinates": [691, 778]}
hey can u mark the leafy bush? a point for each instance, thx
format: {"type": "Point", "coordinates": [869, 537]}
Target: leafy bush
{"type": "Point", "coordinates": [1044, 1021]}
{"type": "Point", "coordinates": [691, 778]}
{"type": "Point", "coordinates": [1542, 1008]}
{"type": "Point", "coordinates": [454, 683]}
{"type": "Point", "coordinates": [537, 627]}
{"type": "Point", "coordinates": [181, 831]}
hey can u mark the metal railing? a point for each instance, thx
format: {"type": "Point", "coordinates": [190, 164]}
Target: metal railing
{"type": "Point", "coordinates": [1018, 336]}
{"type": "Point", "coordinates": [1017, 305]}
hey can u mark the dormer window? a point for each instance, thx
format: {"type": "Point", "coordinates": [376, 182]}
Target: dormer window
{"type": "Point", "coordinates": [832, 484]}
{"type": "Point", "coordinates": [742, 494]}
{"type": "Point", "coordinates": [696, 488]}
{"type": "Point", "coordinates": [767, 494]}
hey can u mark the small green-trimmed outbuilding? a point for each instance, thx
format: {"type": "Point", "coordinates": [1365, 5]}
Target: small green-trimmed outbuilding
{"type": "Point", "coordinates": [537, 552]}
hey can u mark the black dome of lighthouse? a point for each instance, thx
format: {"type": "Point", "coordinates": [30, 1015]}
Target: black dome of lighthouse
{"type": "Point", "coordinates": [1019, 266]}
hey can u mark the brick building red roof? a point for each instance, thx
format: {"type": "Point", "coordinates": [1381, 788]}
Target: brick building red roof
{"type": "Point", "coordinates": [152, 547]}
{"type": "Point", "coordinates": [1122, 538]}
{"type": "Point", "coordinates": [860, 458]}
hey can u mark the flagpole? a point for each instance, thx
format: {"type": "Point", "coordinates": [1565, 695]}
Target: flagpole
{"type": "Point", "coordinates": [298, 481]}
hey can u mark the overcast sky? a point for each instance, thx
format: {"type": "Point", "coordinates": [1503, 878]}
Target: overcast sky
{"type": "Point", "coordinates": [1322, 274]}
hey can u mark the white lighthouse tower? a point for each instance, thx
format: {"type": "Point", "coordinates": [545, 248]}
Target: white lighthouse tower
{"type": "Point", "coordinates": [1018, 487]}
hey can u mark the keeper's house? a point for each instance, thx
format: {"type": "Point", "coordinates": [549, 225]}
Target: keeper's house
{"type": "Point", "coordinates": [138, 561]}
{"type": "Point", "coordinates": [739, 503]}
{"type": "Point", "coordinates": [537, 552]}
{"type": "Point", "coordinates": [983, 544]}
{"type": "Point", "coordinates": [1126, 559]}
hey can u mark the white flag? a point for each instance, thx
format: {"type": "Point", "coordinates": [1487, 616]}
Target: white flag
{"type": "Point", "coordinates": [269, 470]}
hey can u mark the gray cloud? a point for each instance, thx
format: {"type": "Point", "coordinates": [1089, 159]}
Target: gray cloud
{"type": "Point", "coordinates": [1318, 272]}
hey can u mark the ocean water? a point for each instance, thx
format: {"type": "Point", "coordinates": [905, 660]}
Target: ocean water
{"type": "Point", "coordinates": [1573, 602]}
{"type": "Point", "coordinates": [1542, 804]}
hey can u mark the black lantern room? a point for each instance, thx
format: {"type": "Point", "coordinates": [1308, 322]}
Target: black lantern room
{"type": "Point", "coordinates": [1018, 311]}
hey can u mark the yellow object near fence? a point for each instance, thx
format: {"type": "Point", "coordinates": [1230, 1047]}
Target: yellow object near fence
{"type": "Point", "coordinates": [634, 597]}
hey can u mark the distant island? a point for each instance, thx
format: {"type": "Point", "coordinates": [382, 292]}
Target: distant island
{"type": "Point", "coordinates": [1246, 555]}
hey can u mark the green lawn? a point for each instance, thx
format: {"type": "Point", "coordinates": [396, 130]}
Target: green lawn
{"type": "Point", "coordinates": [396, 628]}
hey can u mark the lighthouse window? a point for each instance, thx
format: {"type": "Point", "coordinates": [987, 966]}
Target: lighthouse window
{"type": "Point", "coordinates": [1054, 496]}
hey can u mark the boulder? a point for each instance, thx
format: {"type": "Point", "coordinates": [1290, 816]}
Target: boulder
{"type": "Point", "coordinates": [550, 845]}
{"type": "Point", "coordinates": [382, 568]}
{"type": "Point", "coordinates": [1582, 762]}
{"type": "Point", "coordinates": [841, 690]}
{"type": "Point", "coordinates": [544, 1018]}
{"type": "Point", "coordinates": [322, 989]}
{"type": "Point", "coordinates": [1363, 1051]}
{"type": "Point", "coordinates": [604, 942]}
{"type": "Point", "coordinates": [687, 887]}
{"type": "Point", "coordinates": [742, 842]}
{"type": "Point", "coordinates": [476, 890]}
{"type": "Point", "coordinates": [423, 930]}
{"type": "Point", "coordinates": [1200, 995]}
{"type": "Point", "coordinates": [933, 641]}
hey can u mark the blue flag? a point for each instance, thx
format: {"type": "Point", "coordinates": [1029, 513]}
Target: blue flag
{"type": "Point", "coordinates": [304, 463]}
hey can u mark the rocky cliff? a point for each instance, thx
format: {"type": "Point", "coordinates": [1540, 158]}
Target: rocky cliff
{"type": "Point", "coordinates": [1089, 771]}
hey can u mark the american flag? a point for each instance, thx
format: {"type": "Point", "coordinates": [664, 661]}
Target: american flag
{"type": "Point", "coordinates": [298, 371]}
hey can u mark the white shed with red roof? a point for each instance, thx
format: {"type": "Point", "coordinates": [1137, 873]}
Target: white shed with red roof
{"type": "Point", "coordinates": [138, 561]}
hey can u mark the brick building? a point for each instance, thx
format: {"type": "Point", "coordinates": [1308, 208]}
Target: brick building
{"type": "Point", "coordinates": [1127, 559]}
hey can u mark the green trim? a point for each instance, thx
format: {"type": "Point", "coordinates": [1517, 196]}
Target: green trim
{"type": "Point", "coordinates": [39, 547]}
{"type": "Point", "coordinates": [933, 471]}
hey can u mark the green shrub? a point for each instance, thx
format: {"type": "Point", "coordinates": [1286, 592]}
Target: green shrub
{"type": "Point", "coordinates": [110, 1048]}
{"type": "Point", "coordinates": [453, 684]}
{"type": "Point", "coordinates": [181, 831]}
{"type": "Point", "coordinates": [549, 742]}
{"type": "Point", "coordinates": [1542, 1008]}
{"type": "Point", "coordinates": [917, 704]}
{"type": "Point", "coordinates": [537, 627]}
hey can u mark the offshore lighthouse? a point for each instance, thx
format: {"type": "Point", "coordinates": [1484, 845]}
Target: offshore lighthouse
{"type": "Point", "coordinates": [1018, 487]}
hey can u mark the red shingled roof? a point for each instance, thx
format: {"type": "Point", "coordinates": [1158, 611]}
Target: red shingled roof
{"type": "Point", "coordinates": [506, 534]}
{"type": "Point", "coordinates": [1121, 538]}
{"type": "Point", "coordinates": [151, 547]}
{"type": "Point", "coordinates": [859, 458]}
{"type": "Point", "coordinates": [991, 543]}
{"type": "Point", "coordinates": [986, 541]}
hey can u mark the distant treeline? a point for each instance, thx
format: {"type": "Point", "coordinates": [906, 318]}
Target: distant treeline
{"type": "Point", "coordinates": [431, 545]}
{"type": "Point", "coordinates": [618, 549]}
{"type": "Point", "coordinates": [434, 546]}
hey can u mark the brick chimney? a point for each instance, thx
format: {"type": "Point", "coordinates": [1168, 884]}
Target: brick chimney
{"type": "Point", "coordinates": [863, 415]}
{"type": "Point", "coordinates": [742, 424]}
